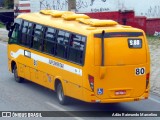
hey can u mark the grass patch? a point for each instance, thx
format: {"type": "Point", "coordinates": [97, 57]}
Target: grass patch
{"type": "Point", "coordinates": [153, 40]}
{"type": "Point", "coordinates": [151, 37]}
{"type": "Point", "coordinates": [1, 25]}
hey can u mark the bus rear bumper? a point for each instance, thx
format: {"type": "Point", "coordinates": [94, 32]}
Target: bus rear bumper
{"type": "Point", "coordinates": [95, 99]}
{"type": "Point", "coordinates": [122, 100]}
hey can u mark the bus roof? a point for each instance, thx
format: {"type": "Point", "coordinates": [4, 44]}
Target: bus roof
{"type": "Point", "coordinates": [82, 25]}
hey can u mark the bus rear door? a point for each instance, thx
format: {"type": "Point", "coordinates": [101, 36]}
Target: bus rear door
{"type": "Point", "coordinates": [122, 59]}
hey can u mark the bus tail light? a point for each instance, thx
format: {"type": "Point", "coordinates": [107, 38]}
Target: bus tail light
{"type": "Point", "coordinates": [91, 81]}
{"type": "Point", "coordinates": [147, 79]}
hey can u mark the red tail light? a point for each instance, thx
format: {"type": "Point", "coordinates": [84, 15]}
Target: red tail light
{"type": "Point", "coordinates": [147, 79]}
{"type": "Point", "coordinates": [91, 81]}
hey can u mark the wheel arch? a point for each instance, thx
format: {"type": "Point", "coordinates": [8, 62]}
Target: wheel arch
{"type": "Point", "coordinates": [58, 80]}
{"type": "Point", "coordinates": [13, 63]}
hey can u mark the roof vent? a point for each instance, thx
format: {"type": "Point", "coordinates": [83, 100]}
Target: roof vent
{"type": "Point", "coordinates": [74, 16]}
{"type": "Point", "coordinates": [126, 26]}
{"type": "Point", "coordinates": [47, 12]}
{"type": "Point", "coordinates": [60, 13]}
{"type": "Point", "coordinates": [55, 13]}
{"type": "Point", "coordinates": [97, 22]}
{"type": "Point", "coordinates": [82, 18]}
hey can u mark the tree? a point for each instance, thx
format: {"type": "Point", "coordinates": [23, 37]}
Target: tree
{"type": "Point", "coordinates": [9, 4]}
{"type": "Point", "coordinates": [71, 4]}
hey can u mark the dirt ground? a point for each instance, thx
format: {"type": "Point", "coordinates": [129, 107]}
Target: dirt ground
{"type": "Point", "coordinates": [154, 45]}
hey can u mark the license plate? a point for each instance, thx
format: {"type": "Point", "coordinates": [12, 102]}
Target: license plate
{"type": "Point", "coordinates": [120, 92]}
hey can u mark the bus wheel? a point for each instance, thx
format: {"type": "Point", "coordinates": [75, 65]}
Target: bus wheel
{"type": "Point", "coordinates": [60, 95]}
{"type": "Point", "coordinates": [16, 77]}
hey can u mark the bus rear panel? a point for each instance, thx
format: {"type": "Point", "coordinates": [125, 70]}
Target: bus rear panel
{"type": "Point", "coordinates": [121, 67]}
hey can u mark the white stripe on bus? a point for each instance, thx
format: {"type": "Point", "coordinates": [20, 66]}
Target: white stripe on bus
{"type": "Point", "coordinates": [47, 61]}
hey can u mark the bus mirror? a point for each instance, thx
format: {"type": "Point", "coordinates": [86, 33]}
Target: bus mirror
{"type": "Point", "coordinates": [9, 34]}
{"type": "Point", "coordinates": [8, 26]}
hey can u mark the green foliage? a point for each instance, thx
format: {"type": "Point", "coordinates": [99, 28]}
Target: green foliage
{"type": "Point", "coordinates": [1, 25]}
{"type": "Point", "coordinates": [9, 4]}
{"type": "Point", "coordinates": [151, 37]}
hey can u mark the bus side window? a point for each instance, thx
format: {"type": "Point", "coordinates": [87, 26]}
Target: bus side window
{"type": "Point", "coordinates": [62, 44]}
{"type": "Point", "coordinates": [37, 39]}
{"type": "Point", "coordinates": [49, 41]}
{"type": "Point", "coordinates": [24, 33]}
{"type": "Point", "coordinates": [30, 34]}
{"type": "Point", "coordinates": [14, 35]}
{"type": "Point", "coordinates": [76, 50]}
{"type": "Point", "coordinates": [15, 32]}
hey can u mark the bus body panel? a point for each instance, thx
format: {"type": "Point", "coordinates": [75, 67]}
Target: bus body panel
{"type": "Point", "coordinates": [119, 77]}
{"type": "Point", "coordinates": [90, 97]}
{"type": "Point", "coordinates": [117, 52]}
{"type": "Point", "coordinates": [45, 74]}
{"type": "Point", "coordinates": [122, 77]}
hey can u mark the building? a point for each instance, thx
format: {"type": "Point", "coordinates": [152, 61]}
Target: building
{"type": "Point", "coordinates": [1, 3]}
{"type": "Point", "coordinates": [21, 6]}
{"type": "Point", "coordinates": [6, 14]}
{"type": "Point", "coordinates": [144, 14]}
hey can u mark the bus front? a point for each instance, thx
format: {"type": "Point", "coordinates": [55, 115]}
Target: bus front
{"type": "Point", "coordinates": [121, 66]}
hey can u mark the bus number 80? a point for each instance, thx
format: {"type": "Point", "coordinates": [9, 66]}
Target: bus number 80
{"type": "Point", "coordinates": [140, 71]}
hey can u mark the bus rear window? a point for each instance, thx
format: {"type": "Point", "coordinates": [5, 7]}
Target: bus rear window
{"type": "Point", "coordinates": [119, 34]}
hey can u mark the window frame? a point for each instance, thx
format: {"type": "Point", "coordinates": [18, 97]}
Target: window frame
{"type": "Point", "coordinates": [83, 51]}
{"type": "Point", "coordinates": [44, 27]}
{"type": "Point", "coordinates": [39, 37]}
{"type": "Point", "coordinates": [54, 41]}
{"type": "Point", "coordinates": [18, 21]}
{"type": "Point", "coordinates": [23, 33]}
{"type": "Point", "coordinates": [66, 47]}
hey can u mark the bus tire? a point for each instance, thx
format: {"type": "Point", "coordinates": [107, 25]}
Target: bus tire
{"type": "Point", "coordinates": [63, 100]}
{"type": "Point", "coordinates": [16, 77]}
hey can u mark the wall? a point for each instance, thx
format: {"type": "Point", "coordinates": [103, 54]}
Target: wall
{"type": "Point", "coordinates": [119, 10]}
{"type": "Point", "coordinates": [87, 6]}
{"type": "Point", "coordinates": [1, 3]}
{"type": "Point", "coordinates": [148, 8]}
{"type": "Point", "coordinates": [153, 27]}
{"type": "Point", "coordinates": [16, 2]}
{"type": "Point", "coordinates": [125, 18]}
{"type": "Point", "coordinates": [37, 5]}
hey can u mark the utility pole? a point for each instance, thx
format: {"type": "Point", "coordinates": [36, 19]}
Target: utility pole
{"type": "Point", "coordinates": [71, 5]}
